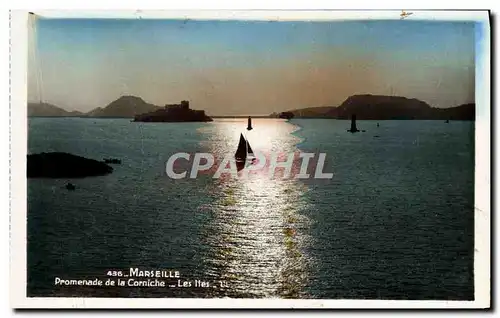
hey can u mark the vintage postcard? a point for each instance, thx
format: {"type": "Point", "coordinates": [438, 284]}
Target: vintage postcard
{"type": "Point", "coordinates": [250, 159]}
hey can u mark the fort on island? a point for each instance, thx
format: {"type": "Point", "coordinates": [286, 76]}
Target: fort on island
{"type": "Point", "coordinates": [174, 113]}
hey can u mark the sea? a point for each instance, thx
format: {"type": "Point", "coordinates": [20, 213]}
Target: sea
{"type": "Point", "coordinates": [394, 221]}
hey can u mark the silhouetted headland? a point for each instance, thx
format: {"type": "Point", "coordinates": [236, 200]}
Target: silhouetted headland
{"type": "Point", "coordinates": [64, 165]}
{"type": "Point", "coordinates": [112, 160]}
{"type": "Point", "coordinates": [49, 110]}
{"type": "Point", "coordinates": [174, 113]}
{"type": "Point", "coordinates": [381, 107]}
{"type": "Point", "coordinates": [366, 107]}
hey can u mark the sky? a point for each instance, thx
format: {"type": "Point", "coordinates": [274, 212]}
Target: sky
{"type": "Point", "coordinates": [248, 67]}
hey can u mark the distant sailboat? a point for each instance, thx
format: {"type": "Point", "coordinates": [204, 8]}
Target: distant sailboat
{"type": "Point", "coordinates": [249, 126]}
{"type": "Point", "coordinates": [244, 149]}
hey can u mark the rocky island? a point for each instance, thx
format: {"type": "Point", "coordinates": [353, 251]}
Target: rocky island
{"type": "Point", "coordinates": [174, 113]}
{"type": "Point", "coordinates": [64, 165]}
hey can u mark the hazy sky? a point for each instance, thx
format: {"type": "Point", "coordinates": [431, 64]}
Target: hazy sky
{"type": "Point", "coordinates": [255, 67]}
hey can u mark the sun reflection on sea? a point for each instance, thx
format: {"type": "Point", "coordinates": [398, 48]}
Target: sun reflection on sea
{"type": "Point", "coordinates": [257, 231]}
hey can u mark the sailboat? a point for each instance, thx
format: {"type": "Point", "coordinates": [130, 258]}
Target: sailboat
{"type": "Point", "coordinates": [244, 150]}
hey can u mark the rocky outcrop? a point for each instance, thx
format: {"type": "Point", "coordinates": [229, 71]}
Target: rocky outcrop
{"type": "Point", "coordinates": [64, 165]}
{"type": "Point", "coordinates": [381, 107]}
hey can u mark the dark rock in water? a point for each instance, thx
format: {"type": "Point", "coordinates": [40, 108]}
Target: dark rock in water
{"type": "Point", "coordinates": [286, 115]}
{"type": "Point", "coordinates": [70, 186]}
{"type": "Point", "coordinates": [112, 160]}
{"type": "Point", "coordinates": [64, 165]}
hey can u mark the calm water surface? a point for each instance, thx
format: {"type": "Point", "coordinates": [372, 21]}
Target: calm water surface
{"type": "Point", "coordinates": [395, 221]}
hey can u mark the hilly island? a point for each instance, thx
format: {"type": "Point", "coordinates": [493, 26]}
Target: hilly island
{"type": "Point", "coordinates": [365, 107]}
{"type": "Point", "coordinates": [49, 110]}
{"type": "Point", "coordinates": [382, 107]}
